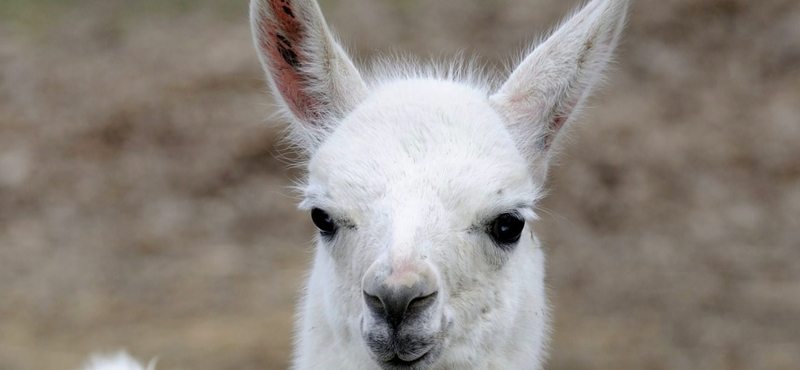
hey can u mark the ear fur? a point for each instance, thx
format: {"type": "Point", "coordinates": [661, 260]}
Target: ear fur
{"type": "Point", "coordinates": [309, 73]}
{"type": "Point", "coordinates": [546, 91]}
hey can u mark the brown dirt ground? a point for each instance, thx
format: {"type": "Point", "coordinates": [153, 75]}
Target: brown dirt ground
{"type": "Point", "coordinates": [142, 204]}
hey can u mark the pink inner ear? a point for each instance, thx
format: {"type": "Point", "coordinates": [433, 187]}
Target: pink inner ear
{"type": "Point", "coordinates": [281, 41]}
{"type": "Point", "coordinates": [553, 129]}
{"type": "Point", "coordinates": [561, 116]}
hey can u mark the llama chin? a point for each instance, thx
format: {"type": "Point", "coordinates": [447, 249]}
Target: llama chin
{"type": "Point", "coordinates": [423, 183]}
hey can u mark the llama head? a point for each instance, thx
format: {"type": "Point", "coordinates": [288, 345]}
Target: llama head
{"type": "Point", "coordinates": [424, 187]}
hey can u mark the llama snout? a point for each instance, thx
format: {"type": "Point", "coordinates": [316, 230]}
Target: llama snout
{"type": "Point", "coordinates": [402, 324]}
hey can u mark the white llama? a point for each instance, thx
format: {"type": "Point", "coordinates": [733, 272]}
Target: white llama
{"type": "Point", "coordinates": [423, 186]}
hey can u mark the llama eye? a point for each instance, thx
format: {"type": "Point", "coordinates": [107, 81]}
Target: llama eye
{"type": "Point", "coordinates": [506, 228]}
{"type": "Point", "coordinates": [324, 222]}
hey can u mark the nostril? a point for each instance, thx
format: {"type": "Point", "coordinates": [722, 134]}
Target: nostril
{"type": "Point", "coordinates": [393, 306]}
{"type": "Point", "coordinates": [423, 302]}
{"type": "Point", "coordinates": [373, 302]}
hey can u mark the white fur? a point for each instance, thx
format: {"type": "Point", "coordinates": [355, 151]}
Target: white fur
{"type": "Point", "coordinates": [118, 361]}
{"type": "Point", "coordinates": [413, 163]}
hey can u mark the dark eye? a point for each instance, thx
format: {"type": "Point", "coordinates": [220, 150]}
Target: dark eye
{"type": "Point", "coordinates": [506, 228]}
{"type": "Point", "coordinates": [324, 222]}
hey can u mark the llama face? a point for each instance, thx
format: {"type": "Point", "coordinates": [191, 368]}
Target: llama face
{"type": "Point", "coordinates": [415, 179]}
{"type": "Point", "coordinates": [423, 188]}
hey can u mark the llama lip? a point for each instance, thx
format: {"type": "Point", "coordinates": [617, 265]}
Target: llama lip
{"type": "Point", "coordinates": [397, 355]}
{"type": "Point", "coordinates": [397, 362]}
{"type": "Point", "coordinates": [410, 346]}
{"type": "Point", "coordinates": [420, 363]}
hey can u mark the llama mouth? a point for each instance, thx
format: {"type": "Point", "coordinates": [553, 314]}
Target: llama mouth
{"type": "Point", "coordinates": [407, 350]}
{"type": "Point", "coordinates": [397, 363]}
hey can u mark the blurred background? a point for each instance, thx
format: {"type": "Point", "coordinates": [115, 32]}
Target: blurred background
{"type": "Point", "coordinates": [142, 205]}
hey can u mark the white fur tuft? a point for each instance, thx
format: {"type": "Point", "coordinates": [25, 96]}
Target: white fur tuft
{"type": "Point", "coordinates": [118, 361]}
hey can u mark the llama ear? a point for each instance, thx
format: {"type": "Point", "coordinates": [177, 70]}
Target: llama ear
{"type": "Point", "coordinates": [310, 75]}
{"type": "Point", "coordinates": [546, 91]}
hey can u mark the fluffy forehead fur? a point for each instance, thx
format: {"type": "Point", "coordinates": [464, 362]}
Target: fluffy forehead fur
{"type": "Point", "coordinates": [385, 73]}
{"type": "Point", "coordinates": [405, 139]}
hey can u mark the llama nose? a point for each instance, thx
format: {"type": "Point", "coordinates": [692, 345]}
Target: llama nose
{"type": "Point", "coordinates": [405, 292]}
